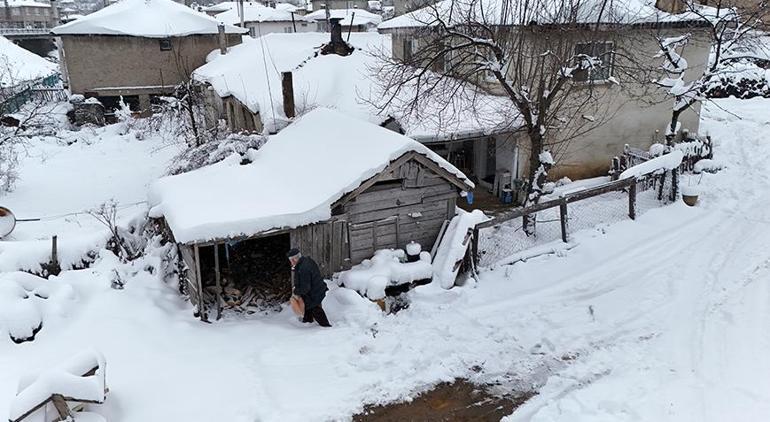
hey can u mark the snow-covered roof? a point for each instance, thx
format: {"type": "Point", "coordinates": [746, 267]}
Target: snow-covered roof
{"type": "Point", "coordinates": [347, 84]}
{"type": "Point", "coordinates": [348, 16]}
{"type": "Point", "coordinates": [254, 12]}
{"type": "Point", "coordinates": [292, 181]}
{"type": "Point", "coordinates": [25, 3]}
{"type": "Point", "coordinates": [145, 18]}
{"type": "Point", "coordinates": [18, 65]}
{"type": "Point", "coordinates": [499, 12]}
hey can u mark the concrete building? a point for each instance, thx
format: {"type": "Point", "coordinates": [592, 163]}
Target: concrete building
{"type": "Point", "coordinates": [262, 20]}
{"type": "Point", "coordinates": [28, 14]}
{"type": "Point", "coordinates": [351, 20]}
{"type": "Point", "coordinates": [339, 4]}
{"type": "Point", "coordinates": [632, 112]}
{"type": "Point", "coordinates": [132, 49]}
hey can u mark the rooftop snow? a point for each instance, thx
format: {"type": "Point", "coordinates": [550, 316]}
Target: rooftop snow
{"type": "Point", "coordinates": [342, 83]}
{"type": "Point", "coordinates": [18, 65]}
{"type": "Point", "coordinates": [145, 18]}
{"type": "Point", "coordinates": [495, 12]}
{"type": "Point", "coordinates": [358, 16]}
{"type": "Point", "coordinates": [25, 3]}
{"type": "Point", "coordinates": [292, 181]}
{"type": "Point", "coordinates": [254, 12]}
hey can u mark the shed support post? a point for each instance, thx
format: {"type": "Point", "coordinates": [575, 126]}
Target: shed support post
{"type": "Point", "coordinates": [563, 219]}
{"type": "Point", "coordinates": [632, 199]}
{"type": "Point", "coordinates": [217, 278]}
{"type": "Point", "coordinates": [475, 247]}
{"type": "Point", "coordinates": [201, 305]}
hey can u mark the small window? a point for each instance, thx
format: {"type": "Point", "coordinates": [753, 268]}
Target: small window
{"type": "Point", "coordinates": [165, 44]}
{"type": "Point", "coordinates": [603, 51]}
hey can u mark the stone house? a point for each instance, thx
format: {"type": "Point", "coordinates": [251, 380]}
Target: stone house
{"type": "Point", "coordinates": [28, 14]}
{"type": "Point", "coordinates": [636, 113]}
{"type": "Point", "coordinates": [138, 49]}
{"type": "Point", "coordinates": [391, 191]}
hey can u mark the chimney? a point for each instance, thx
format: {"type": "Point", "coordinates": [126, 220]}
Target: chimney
{"type": "Point", "coordinates": [287, 85]}
{"type": "Point", "coordinates": [336, 30]}
{"type": "Point", "coordinates": [222, 39]}
{"type": "Point", "coordinates": [336, 45]}
{"type": "Point", "coordinates": [670, 6]}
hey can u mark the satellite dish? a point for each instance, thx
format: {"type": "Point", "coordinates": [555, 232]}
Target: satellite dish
{"type": "Point", "coordinates": [7, 222]}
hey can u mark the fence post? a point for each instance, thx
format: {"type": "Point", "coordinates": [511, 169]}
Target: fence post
{"type": "Point", "coordinates": [674, 183]}
{"type": "Point", "coordinates": [563, 215]}
{"type": "Point", "coordinates": [475, 247]}
{"type": "Point", "coordinates": [632, 199]}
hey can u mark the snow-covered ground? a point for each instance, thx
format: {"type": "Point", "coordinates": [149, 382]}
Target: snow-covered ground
{"type": "Point", "coordinates": [63, 176]}
{"type": "Point", "coordinates": [662, 318]}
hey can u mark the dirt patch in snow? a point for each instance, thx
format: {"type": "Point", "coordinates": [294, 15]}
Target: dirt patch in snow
{"type": "Point", "coordinates": [457, 401]}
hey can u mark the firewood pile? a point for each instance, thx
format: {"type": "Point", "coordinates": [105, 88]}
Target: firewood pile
{"type": "Point", "coordinates": [256, 278]}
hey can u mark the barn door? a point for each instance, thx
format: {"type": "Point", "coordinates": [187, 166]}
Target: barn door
{"type": "Point", "coordinates": [365, 238]}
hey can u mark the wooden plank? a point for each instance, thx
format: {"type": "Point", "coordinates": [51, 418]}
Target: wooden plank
{"type": "Point", "coordinates": [404, 211]}
{"type": "Point", "coordinates": [372, 180]}
{"type": "Point", "coordinates": [217, 280]}
{"type": "Point", "coordinates": [201, 302]}
{"type": "Point", "coordinates": [61, 407]}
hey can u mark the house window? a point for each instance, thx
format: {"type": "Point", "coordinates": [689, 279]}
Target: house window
{"type": "Point", "coordinates": [165, 44]}
{"type": "Point", "coordinates": [15, 11]}
{"type": "Point", "coordinates": [603, 51]}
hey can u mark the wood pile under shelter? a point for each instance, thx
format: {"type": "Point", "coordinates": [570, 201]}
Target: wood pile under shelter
{"type": "Point", "coordinates": [333, 186]}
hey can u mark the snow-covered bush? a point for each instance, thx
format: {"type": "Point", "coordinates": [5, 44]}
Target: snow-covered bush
{"type": "Point", "coordinates": [26, 301]}
{"type": "Point", "coordinates": [215, 151]}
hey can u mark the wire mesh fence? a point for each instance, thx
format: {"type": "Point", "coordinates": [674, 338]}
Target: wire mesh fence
{"type": "Point", "coordinates": [555, 219]}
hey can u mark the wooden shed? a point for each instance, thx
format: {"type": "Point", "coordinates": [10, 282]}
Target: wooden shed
{"type": "Point", "coordinates": [333, 186]}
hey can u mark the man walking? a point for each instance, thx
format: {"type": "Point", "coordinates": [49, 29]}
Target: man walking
{"type": "Point", "coordinates": [309, 285]}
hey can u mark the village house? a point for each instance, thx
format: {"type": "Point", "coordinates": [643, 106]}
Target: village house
{"type": "Point", "coordinates": [351, 20]}
{"type": "Point", "coordinates": [262, 20]}
{"type": "Point", "coordinates": [637, 111]}
{"type": "Point", "coordinates": [339, 4]}
{"type": "Point", "coordinates": [138, 49]}
{"type": "Point", "coordinates": [234, 221]}
{"type": "Point", "coordinates": [28, 14]}
{"type": "Point", "coordinates": [251, 99]}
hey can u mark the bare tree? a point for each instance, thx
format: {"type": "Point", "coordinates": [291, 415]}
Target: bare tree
{"type": "Point", "coordinates": [734, 37]}
{"type": "Point", "coordinates": [544, 56]}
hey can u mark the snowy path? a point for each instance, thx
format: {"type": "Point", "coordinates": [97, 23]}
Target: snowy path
{"type": "Point", "coordinates": [659, 319]}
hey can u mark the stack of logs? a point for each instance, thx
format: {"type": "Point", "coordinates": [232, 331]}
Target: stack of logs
{"type": "Point", "coordinates": [256, 276]}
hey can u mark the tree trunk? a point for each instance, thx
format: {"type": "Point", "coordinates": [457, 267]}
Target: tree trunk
{"type": "Point", "coordinates": [672, 127]}
{"type": "Point", "coordinates": [533, 191]}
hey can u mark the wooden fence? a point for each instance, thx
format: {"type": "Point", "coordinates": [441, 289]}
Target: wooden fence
{"type": "Point", "coordinates": [660, 186]}
{"type": "Point", "coordinates": [47, 89]}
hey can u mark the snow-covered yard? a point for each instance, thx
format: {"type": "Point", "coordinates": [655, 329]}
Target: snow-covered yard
{"type": "Point", "coordinates": [662, 318]}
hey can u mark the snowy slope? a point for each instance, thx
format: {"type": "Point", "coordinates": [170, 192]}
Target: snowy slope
{"type": "Point", "coordinates": [18, 65]}
{"type": "Point", "coordinates": [659, 319]}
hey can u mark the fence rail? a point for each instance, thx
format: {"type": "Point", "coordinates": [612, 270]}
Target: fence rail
{"type": "Point", "coordinates": [555, 219]}
{"type": "Point", "coordinates": [41, 90]}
